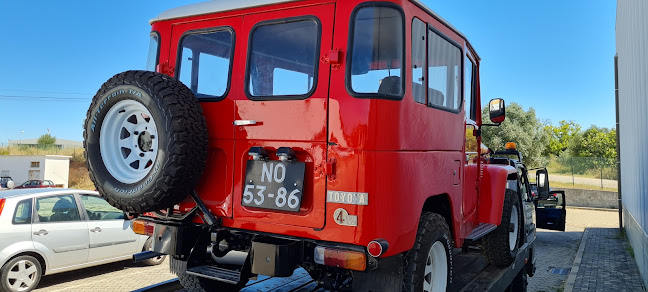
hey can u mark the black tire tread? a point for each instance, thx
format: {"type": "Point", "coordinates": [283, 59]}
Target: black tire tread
{"type": "Point", "coordinates": [496, 244]}
{"type": "Point", "coordinates": [3, 271]}
{"type": "Point", "coordinates": [429, 223]}
{"type": "Point", "coordinates": [187, 145]}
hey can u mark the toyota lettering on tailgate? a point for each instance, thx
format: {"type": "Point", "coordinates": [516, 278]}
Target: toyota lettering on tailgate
{"type": "Point", "coordinates": [274, 185]}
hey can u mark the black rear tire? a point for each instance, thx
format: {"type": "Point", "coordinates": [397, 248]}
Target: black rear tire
{"type": "Point", "coordinates": [174, 136]}
{"type": "Point", "coordinates": [27, 280]}
{"type": "Point", "coordinates": [152, 261]}
{"type": "Point", "coordinates": [432, 229]}
{"type": "Point", "coordinates": [497, 247]}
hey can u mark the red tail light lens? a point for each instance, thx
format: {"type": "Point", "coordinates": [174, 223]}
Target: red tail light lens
{"type": "Point", "coordinates": [2, 203]}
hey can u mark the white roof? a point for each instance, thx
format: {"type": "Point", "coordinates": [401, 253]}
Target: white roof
{"type": "Point", "coordinates": [228, 5]}
{"type": "Point", "coordinates": [213, 7]}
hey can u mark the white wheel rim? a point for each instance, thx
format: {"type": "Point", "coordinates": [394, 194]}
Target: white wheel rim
{"type": "Point", "coordinates": [22, 276]}
{"type": "Point", "coordinates": [128, 141]}
{"type": "Point", "coordinates": [435, 278]}
{"type": "Point", "coordinates": [513, 233]}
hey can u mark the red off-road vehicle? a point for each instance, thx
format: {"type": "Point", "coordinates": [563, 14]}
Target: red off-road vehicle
{"type": "Point", "coordinates": [340, 136]}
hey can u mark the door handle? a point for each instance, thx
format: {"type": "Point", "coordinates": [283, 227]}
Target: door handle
{"type": "Point", "coordinates": [96, 229]}
{"type": "Point", "coordinates": [41, 232]}
{"type": "Point", "coordinates": [245, 122]}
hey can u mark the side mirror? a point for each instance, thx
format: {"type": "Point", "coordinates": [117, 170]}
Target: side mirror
{"type": "Point", "coordinates": [542, 180]}
{"type": "Point", "coordinates": [497, 110]}
{"type": "Point", "coordinates": [10, 184]}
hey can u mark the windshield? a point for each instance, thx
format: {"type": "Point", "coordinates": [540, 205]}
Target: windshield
{"type": "Point", "coordinates": [153, 52]}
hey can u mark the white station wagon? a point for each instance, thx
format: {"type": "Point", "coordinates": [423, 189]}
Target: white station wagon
{"type": "Point", "coordinates": [48, 231]}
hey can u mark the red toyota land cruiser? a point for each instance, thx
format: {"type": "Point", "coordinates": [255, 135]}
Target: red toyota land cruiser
{"type": "Point", "coordinates": [339, 136]}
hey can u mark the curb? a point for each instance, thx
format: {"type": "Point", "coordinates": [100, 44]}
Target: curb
{"type": "Point", "coordinates": [593, 209]}
{"type": "Point", "coordinates": [571, 279]}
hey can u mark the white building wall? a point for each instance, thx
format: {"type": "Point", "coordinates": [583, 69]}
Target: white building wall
{"type": "Point", "coordinates": [51, 167]}
{"type": "Point", "coordinates": [632, 50]}
{"type": "Point", "coordinates": [57, 169]}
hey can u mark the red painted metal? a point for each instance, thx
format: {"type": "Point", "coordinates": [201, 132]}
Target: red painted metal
{"type": "Point", "coordinates": [399, 152]}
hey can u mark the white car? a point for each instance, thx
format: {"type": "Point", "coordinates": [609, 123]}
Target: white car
{"type": "Point", "coordinates": [49, 231]}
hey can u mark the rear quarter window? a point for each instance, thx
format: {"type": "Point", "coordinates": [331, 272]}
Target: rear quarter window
{"type": "Point", "coordinates": [22, 214]}
{"type": "Point", "coordinates": [377, 52]}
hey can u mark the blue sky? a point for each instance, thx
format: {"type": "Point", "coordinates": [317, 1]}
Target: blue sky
{"type": "Point", "coordinates": [555, 56]}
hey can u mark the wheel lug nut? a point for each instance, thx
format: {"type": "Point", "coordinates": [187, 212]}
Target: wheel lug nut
{"type": "Point", "coordinates": [152, 136]}
{"type": "Point", "coordinates": [136, 133]}
{"type": "Point", "coordinates": [141, 154]}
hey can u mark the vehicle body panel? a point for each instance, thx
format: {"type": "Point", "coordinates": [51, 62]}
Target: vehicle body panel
{"type": "Point", "coordinates": [398, 151]}
{"type": "Point", "coordinates": [66, 246]}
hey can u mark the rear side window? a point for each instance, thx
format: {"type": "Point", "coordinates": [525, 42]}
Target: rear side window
{"type": "Point", "coordinates": [205, 62]}
{"type": "Point", "coordinates": [444, 72]}
{"type": "Point", "coordinates": [22, 215]}
{"type": "Point", "coordinates": [283, 59]}
{"type": "Point", "coordinates": [377, 53]}
{"type": "Point", "coordinates": [57, 209]}
{"type": "Point", "coordinates": [418, 60]}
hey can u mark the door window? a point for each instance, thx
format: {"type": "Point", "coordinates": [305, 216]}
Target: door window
{"type": "Point", "coordinates": [98, 209]}
{"type": "Point", "coordinates": [57, 209]}
{"type": "Point", "coordinates": [205, 62]}
{"type": "Point", "coordinates": [22, 215]}
{"type": "Point", "coordinates": [377, 52]}
{"type": "Point", "coordinates": [283, 59]}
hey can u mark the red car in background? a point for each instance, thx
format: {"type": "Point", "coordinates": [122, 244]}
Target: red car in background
{"type": "Point", "coordinates": [36, 184]}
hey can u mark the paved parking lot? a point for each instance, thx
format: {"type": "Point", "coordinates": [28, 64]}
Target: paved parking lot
{"type": "Point", "coordinates": [120, 276]}
{"type": "Point", "coordinates": [555, 250]}
{"type": "Point", "coordinates": [555, 253]}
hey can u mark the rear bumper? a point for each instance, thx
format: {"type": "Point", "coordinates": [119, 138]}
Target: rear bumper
{"type": "Point", "coordinates": [268, 254]}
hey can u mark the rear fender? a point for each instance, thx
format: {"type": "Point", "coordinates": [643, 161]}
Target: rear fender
{"type": "Point", "coordinates": [492, 188]}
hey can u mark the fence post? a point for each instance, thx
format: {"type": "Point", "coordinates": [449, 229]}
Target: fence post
{"type": "Point", "coordinates": [571, 163]}
{"type": "Point", "coordinates": [601, 172]}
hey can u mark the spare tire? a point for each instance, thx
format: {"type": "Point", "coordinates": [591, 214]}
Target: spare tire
{"type": "Point", "coordinates": [145, 141]}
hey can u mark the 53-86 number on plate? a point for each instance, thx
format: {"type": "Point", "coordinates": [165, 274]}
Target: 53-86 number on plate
{"type": "Point", "coordinates": [274, 185]}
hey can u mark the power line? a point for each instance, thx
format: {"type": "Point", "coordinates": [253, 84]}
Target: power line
{"type": "Point", "coordinates": [48, 92]}
{"type": "Point", "coordinates": [43, 98]}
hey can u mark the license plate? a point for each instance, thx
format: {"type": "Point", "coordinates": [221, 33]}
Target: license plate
{"type": "Point", "coordinates": [274, 185]}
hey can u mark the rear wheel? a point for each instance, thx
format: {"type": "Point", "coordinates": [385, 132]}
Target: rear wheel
{"type": "Point", "coordinates": [148, 245]}
{"type": "Point", "coordinates": [145, 141]}
{"type": "Point", "coordinates": [501, 245]}
{"type": "Point", "coordinates": [20, 274]}
{"type": "Point", "coordinates": [428, 265]}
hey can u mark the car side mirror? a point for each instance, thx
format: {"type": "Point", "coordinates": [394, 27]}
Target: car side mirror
{"type": "Point", "coordinates": [10, 184]}
{"type": "Point", "coordinates": [497, 110]}
{"type": "Point", "coordinates": [542, 180]}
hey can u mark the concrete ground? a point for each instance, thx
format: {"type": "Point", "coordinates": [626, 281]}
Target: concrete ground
{"type": "Point", "coordinates": [555, 252]}
{"type": "Point", "coordinates": [115, 277]}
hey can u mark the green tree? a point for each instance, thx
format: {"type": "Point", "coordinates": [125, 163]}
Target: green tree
{"type": "Point", "coordinates": [561, 136]}
{"type": "Point", "coordinates": [46, 141]}
{"type": "Point", "coordinates": [595, 142]}
{"type": "Point", "coordinates": [521, 127]}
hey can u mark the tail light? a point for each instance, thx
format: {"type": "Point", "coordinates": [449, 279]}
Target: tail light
{"type": "Point", "coordinates": [377, 247]}
{"type": "Point", "coordinates": [2, 203]}
{"type": "Point", "coordinates": [142, 227]}
{"type": "Point", "coordinates": [346, 259]}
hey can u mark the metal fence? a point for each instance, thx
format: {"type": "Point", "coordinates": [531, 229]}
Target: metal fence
{"type": "Point", "coordinates": [597, 172]}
